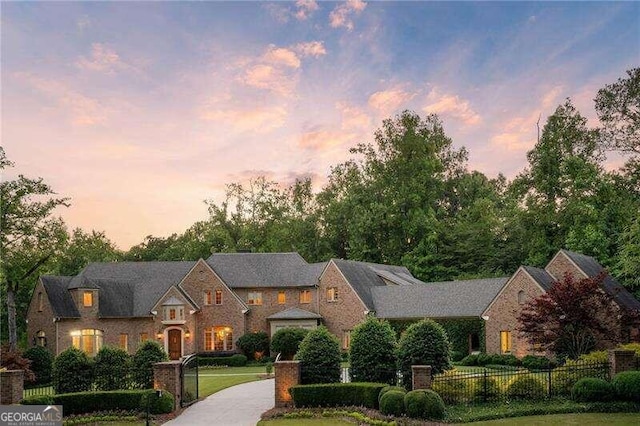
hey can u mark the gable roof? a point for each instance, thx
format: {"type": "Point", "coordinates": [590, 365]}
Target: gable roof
{"type": "Point", "coordinates": [59, 297]}
{"type": "Point", "coordinates": [542, 277]}
{"type": "Point", "coordinates": [247, 270]}
{"type": "Point", "coordinates": [364, 276]}
{"type": "Point", "coordinates": [292, 314]}
{"type": "Point", "coordinates": [591, 267]}
{"type": "Point", "coordinates": [468, 298]}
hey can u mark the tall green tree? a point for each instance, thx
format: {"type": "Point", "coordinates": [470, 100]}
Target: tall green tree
{"type": "Point", "coordinates": [628, 266]}
{"type": "Point", "coordinates": [82, 248]}
{"type": "Point", "coordinates": [30, 235]}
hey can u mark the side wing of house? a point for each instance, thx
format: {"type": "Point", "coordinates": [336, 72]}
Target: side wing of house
{"type": "Point", "coordinates": [501, 315]}
{"type": "Point", "coordinates": [41, 326]}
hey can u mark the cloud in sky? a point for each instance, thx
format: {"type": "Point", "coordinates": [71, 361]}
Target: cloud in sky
{"type": "Point", "coordinates": [285, 89]}
{"type": "Point", "coordinates": [342, 15]}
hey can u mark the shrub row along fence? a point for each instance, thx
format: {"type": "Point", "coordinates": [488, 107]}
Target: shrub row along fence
{"type": "Point", "coordinates": [519, 384]}
{"type": "Point", "coordinates": [38, 390]}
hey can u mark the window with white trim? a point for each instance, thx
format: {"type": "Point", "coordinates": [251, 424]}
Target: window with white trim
{"type": "Point", "coordinates": [218, 338]}
{"type": "Point", "coordinates": [254, 298]}
{"type": "Point", "coordinates": [332, 294]}
{"type": "Point", "coordinates": [88, 340]}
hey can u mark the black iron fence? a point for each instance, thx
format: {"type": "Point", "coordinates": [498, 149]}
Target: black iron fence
{"type": "Point", "coordinates": [484, 385]}
{"type": "Point", "coordinates": [189, 375]}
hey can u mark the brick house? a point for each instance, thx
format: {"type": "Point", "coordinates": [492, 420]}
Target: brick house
{"type": "Point", "coordinates": [206, 305]}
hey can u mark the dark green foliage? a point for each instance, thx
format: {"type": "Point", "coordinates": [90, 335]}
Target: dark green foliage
{"type": "Point", "coordinates": [526, 387]}
{"type": "Point", "coordinates": [41, 363]}
{"type": "Point", "coordinates": [591, 389]}
{"type": "Point", "coordinates": [337, 395]}
{"type": "Point", "coordinates": [495, 359]}
{"type": "Point", "coordinates": [157, 405]}
{"type": "Point", "coordinates": [142, 362]}
{"type": "Point", "coordinates": [533, 362]}
{"type": "Point", "coordinates": [456, 356]}
{"type": "Point", "coordinates": [129, 400]}
{"type": "Point", "coordinates": [72, 371]}
{"type": "Point", "coordinates": [423, 343]}
{"type": "Point", "coordinates": [236, 360]}
{"type": "Point", "coordinates": [112, 369]}
{"type": "Point", "coordinates": [391, 388]}
{"type": "Point", "coordinates": [319, 356]}
{"type": "Point", "coordinates": [286, 342]}
{"type": "Point", "coordinates": [424, 404]}
{"type": "Point", "coordinates": [372, 352]}
{"type": "Point", "coordinates": [38, 400]}
{"type": "Point", "coordinates": [487, 389]}
{"type": "Point", "coordinates": [254, 345]}
{"type": "Point", "coordinates": [392, 403]}
{"type": "Point", "coordinates": [458, 331]}
{"type": "Point", "coordinates": [627, 385]}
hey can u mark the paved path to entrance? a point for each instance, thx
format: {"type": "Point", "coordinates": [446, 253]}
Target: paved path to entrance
{"type": "Point", "coordinates": [239, 405]}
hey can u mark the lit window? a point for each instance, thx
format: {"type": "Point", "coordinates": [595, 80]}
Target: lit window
{"type": "Point", "coordinates": [332, 294]}
{"type": "Point", "coordinates": [174, 313]}
{"type": "Point", "coordinates": [282, 298]}
{"type": "Point", "coordinates": [505, 342]}
{"type": "Point", "coordinates": [88, 299]}
{"type": "Point", "coordinates": [124, 341]}
{"type": "Point", "coordinates": [254, 298]}
{"type": "Point", "coordinates": [40, 302]}
{"type": "Point", "coordinates": [521, 297]}
{"type": "Point", "coordinates": [144, 337]}
{"type": "Point", "coordinates": [305, 296]}
{"type": "Point", "coordinates": [208, 299]}
{"type": "Point", "coordinates": [219, 338]}
{"type": "Point", "coordinates": [346, 339]}
{"type": "Point", "coordinates": [87, 340]}
{"type": "Point", "coordinates": [218, 297]}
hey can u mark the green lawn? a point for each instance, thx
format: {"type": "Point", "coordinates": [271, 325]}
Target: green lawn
{"type": "Point", "coordinates": [303, 422]}
{"type": "Point", "coordinates": [212, 380]}
{"type": "Point", "coordinates": [617, 419]}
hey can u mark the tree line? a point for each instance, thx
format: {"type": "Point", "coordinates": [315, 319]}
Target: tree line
{"type": "Point", "coordinates": [407, 198]}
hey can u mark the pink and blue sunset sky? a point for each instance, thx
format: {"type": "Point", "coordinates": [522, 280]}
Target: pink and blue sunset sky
{"type": "Point", "coordinates": [140, 111]}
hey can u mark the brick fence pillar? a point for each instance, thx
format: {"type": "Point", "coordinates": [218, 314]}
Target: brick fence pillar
{"type": "Point", "coordinates": [620, 360]}
{"type": "Point", "coordinates": [166, 376]}
{"type": "Point", "coordinates": [287, 375]}
{"type": "Point", "coordinates": [11, 386]}
{"type": "Point", "coordinates": [421, 377]}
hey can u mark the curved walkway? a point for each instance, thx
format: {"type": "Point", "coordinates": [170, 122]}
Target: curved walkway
{"type": "Point", "coordinates": [239, 405]}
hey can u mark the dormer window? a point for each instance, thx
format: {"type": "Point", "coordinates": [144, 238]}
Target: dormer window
{"type": "Point", "coordinates": [87, 299]}
{"type": "Point", "coordinates": [173, 311]}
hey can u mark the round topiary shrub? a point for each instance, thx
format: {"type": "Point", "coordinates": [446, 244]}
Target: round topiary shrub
{"type": "Point", "coordinates": [389, 389]}
{"type": "Point", "coordinates": [286, 342]}
{"type": "Point", "coordinates": [158, 405]}
{"type": "Point", "coordinates": [72, 371]}
{"type": "Point", "coordinates": [254, 345]}
{"type": "Point", "coordinates": [142, 362]}
{"type": "Point", "coordinates": [319, 356]}
{"type": "Point", "coordinates": [591, 389]}
{"type": "Point", "coordinates": [424, 404]}
{"type": "Point", "coordinates": [627, 385]}
{"type": "Point", "coordinates": [372, 352]}
{"type": "Point", "coordinates": [486, 389]}
{"type": "Point", "coordinates": [41, 363]}
{"type": "Point", "coordinates": [526, 387]}
{"type": "Point", "coordinates": [112, 369]}
{"type": "Point", "coordinates": [392, 403]}
{"type": "Point", "coordinates": [533, 362]}
{"type": "Point", "coordinates": [423, 343]}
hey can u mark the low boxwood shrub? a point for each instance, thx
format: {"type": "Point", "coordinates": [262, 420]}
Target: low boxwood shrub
{"type": "Point", "coordinates": [237, 360]}
{"type": "Point", "coordinates": [470, 360]}
{"type": "Point", "coordinates": [486, 389]}
{"type": "Point", "coordinates": [454, 389]}
{"type": "Point", "coordinates": [456, 356]}
{"type": "Point", "coordinates": [526, 387]}
{"type": "Point", "coordinates": [337, 394]}
{"type": "Point", "coordinates": [627, 385]}
{"type": "Point", "coordinates": [533, 362]}
{"type": "Point", "coordinates": [41, 363]}
{"type": "Point", "coordinates": [389, 389]}
{"type": "Point", "coordinates": [392, 403]}
{"type": "Point", "coordinates": [72, 371]}
{"type": "Point", "coordinates": [424, 404]}
{"type": "Point", "coordinates": [38, 400]}
{"type": "Point", "coordinates": [130, 400]}
{"type": "Point", "coordinates": [591, 389]}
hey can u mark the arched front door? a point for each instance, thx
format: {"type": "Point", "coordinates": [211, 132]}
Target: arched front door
{"type": "Point", "coordinates": [174, 336]}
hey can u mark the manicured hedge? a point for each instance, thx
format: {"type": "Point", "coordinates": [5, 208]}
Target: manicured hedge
{"type": "Point", "coordinates": [389, 389]}
{"type": "Point", "coordinates": [424, 404]}
{"type": "Point", "coordinates": [591, 389]}
{"type": "Point", "coordinates": [392, 403]}
{"type": "Point", "coordinates": [230, 361]}
{"type": "Point", "coordinates": [337, 394]}
{"type": "Point", "coordinates": [89, 402]}
{"type": "Point", "coordinates": [627, 385]}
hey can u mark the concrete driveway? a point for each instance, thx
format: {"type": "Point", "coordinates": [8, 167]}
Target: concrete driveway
{"type": "Point", "coordinates": [239, 405]}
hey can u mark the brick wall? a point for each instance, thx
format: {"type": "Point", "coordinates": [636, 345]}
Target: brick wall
{"type": "Point", "coordinates": [504, 312]}
{"type": "Point", "coordinates": [287, 375]}
{"type": "Point", "coordinates": [421, 377]}
{"type": "Point", "coordinates": [345, 313]}
{"type": "Point", "coordinates": [560, 265]}
{"type": "Point", "coordinates": [41, 320]}
{"type": "Point", "coordinates": [166, 376]}
{"type": "Point", "coordinates": [11, 386]}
